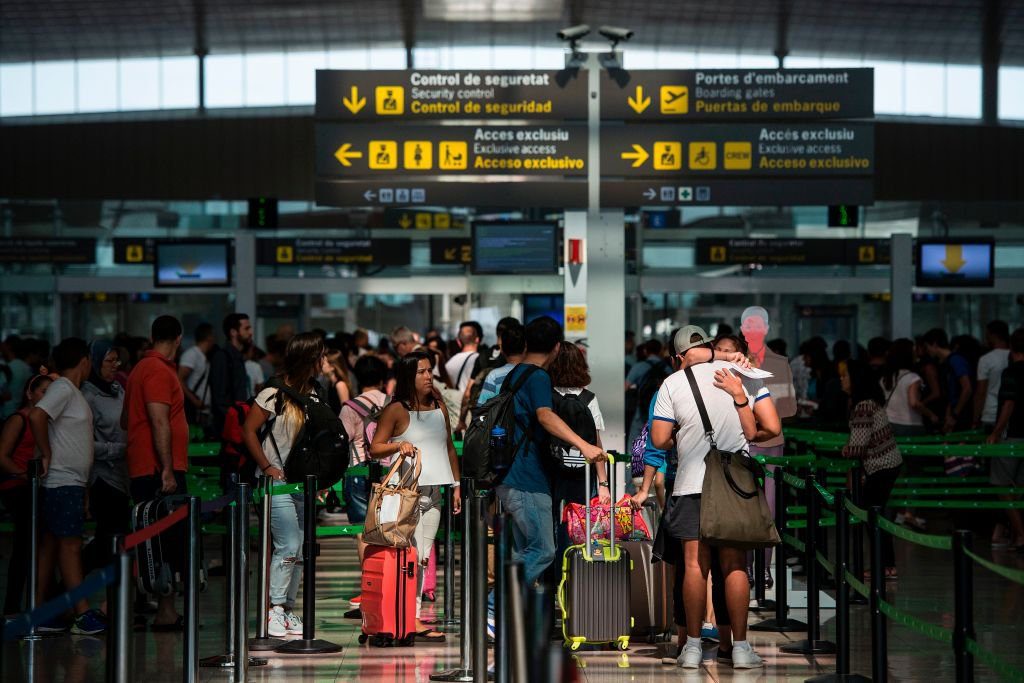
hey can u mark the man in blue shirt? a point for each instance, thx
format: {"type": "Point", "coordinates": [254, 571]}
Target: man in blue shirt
{"type": "Point", "coordinates": [525, 492]}
{"type": "Point", "coordinates": [959, 377]}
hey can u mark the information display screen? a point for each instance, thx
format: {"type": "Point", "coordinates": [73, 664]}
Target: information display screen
{"type": "Point", "coordinates": [944, 263]}
{"type": "Point", "coordinates": [515, 248]}
{"type": "Point", "coordinates": [200, 263]}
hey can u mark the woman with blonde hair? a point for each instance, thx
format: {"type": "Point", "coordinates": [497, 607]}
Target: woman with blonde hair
{"type": "Point", "coordinates": [335, 368]}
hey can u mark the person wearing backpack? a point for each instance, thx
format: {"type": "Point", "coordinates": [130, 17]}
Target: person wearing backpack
{"type": "Point", "coordinates": [276, 405]}
{"type": "Point", "coordinates": [360, 416]}
{"type": "Point", "coordinates": [417, 425]}
{"type": "Point", "coordinates": [642, 383]}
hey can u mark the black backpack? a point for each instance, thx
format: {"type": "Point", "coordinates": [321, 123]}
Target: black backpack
{"type": "Point", "coordinates": [485, 465]}
{"type": "Point", "coordinates": [649, 386]}
{"type": "Point", "coordinates": [321, 447]}
{"type": "Point", "coordinates": [575, 412]}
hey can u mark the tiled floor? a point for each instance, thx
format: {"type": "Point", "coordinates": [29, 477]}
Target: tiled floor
{"type": "Point", "coordinates": [924, 589]}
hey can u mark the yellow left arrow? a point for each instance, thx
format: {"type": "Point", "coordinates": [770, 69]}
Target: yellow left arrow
{"type": "Point", "coordinates": [355, 102]}
{"type": "Point", "coordinates": [344, 153]}
{"type": "Point", "coordinates": [639, 155]}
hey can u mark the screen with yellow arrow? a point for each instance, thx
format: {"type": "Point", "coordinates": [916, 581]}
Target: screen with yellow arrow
{"type": "Point", "coordinates": [955, 264]}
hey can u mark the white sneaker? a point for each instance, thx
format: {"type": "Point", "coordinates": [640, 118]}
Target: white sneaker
{"type": "Point", "coordinates": [691, 657]}
{"type": "Point", "coordinates": [745, 658]}
{"type": "Point", "coordinates": [277, 622]}
{"type": "Point", "coordinates": [294, 624]}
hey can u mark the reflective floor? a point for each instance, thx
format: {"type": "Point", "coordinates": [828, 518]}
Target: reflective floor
{"type": "Point", "coordinates": [924, 590]}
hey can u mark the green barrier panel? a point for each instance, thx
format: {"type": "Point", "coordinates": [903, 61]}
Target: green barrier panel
{"type": "Point", "coordinates": [196, 450]}
{"type": "Point", "coordinates": [828, 497]}
{"type": "Point", "coordinates": [923, 627]}
{"type": "Point", "coordinates": [795, 482]}
{"type": "Point", "coordinates": [204, 471]}
{"type": "Point", "coordinates": [345, 530]}
{"type": "Point", "coordinates": [857, 585]}
{"type": "Point", "coordinates": [927, 540]}
{"type": "Point", "coordinates": [1015, 575]}
{"type": "Point", "coordinates": [796, 509]}
{"type": "Point", "coordinates": [945, 481]}
{"type": "Point", "coordinates": [786, 460]}
{"type": "Point", "coordinates": [1002, 450]}
{"type": "Point", "coordinates": [802, 523]}
{"type": "Point", "coordinates": [358, 471]}
{"type": "Point", "coordinates": [279, 490]}
{"type": "Point", "coordinates": [959, 504]}
{"type": "Point", "coordinates": [793, 542]}
{"type": "Point", "coordinates": [830, 567]}
{"type": "Point", "coordinates": [1008, 672]}
{"type": "Point", "coordinates": [458, 448]}
{"type": "Point", "coordinates": [990, 491]}
{"type": "Point", "coordinates": [857, 512]}
{"type": "Point", "coordinates": [952, 437]}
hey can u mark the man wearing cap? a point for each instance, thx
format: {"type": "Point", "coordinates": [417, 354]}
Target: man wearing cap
{"type": "Point", "coordinates": [735, 415]}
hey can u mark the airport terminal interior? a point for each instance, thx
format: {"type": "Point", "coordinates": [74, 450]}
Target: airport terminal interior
{"type": "Point", "coordinates": [512, 340]}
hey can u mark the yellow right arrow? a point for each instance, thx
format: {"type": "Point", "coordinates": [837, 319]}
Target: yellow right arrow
{"type": "Point", "coordinates": [355, 102]}
{"type": "Point", "coordinates": [639, 155]}
{"type": "Point", "coordinates": [639, 103]}
{"type": "Point", "coordinates": [954, 258]}
{"type": "Point", "coordinates": [345, 153]}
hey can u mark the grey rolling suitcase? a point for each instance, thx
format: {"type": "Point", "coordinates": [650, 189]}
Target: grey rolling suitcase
{"type": "Point", "coordinates": [650, 589]}
{"type": "Point", "coordinates": [594, 593]}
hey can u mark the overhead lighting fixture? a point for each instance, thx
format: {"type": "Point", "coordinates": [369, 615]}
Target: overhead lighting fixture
{"type": "Point", "coordinates": [493, 10]}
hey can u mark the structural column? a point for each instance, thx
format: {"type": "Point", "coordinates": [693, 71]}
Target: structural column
{"type": "Point", "coordinates": [245, 273]}
{"type": "Point", "coordinates": [902, 286]}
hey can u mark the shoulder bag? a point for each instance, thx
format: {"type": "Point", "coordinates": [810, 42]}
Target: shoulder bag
{"type": "Point", "coordinates": [393, 510]}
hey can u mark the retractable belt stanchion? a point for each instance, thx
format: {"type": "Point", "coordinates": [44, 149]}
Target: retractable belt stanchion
{"type": "Point", "coordinates": [879, 647]}
{"type": "Point", "coordinates": [230, 582]}
{"type": "Point", "coordinates": [813, 644]}
{"type": "Point", "coordinates": [117, 645]}
{"type": "Point", "coordinates": [241, 551]}
{"type": "Point", "coordinates": [842, 674]}
{"type": "Point", "coordinates": [190, 649]}
{"type": "Point", "coordinates": [309, 644]}
{"type": "Point", "coordinates": [33, 471]}
{"type": "Point", "coordinates": [502, 622]}
{"type": "Point", "coordinates": [121, 641]}
{"type": "Point", "coordinates": [464, 672]}
{"type": "Point", "coordinates": [449, 619]}
{"type": "Point", "coordinates": [963, 628]}
{"type": "Point", "coordinates": [263, 642]}
{"type": "Point", "coordinates": [857, 535]}
{"type": "Point", "coordinates": [781, 623]}
{"type": "Point", "coordinates": [479, 587]}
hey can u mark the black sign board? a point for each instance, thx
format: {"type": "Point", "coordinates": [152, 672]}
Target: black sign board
{"type": "Point", "coordinates": [771, 149]}
{"type": "Point", "coordinates": [746, 192]}
{"type": "Point", "coordinates": [737, 94]}
{"type": "Point", "coordinates": [416, 95]}
{"type": "Point", "coordinates": [449, 250]}
{"type": "Point", "coordinates": [300, 252]}
{"type": "Point", "coordinates": [792, 252]}
{"type": "Point", "coordinates": [344, 150]}
{"type": "Point", "coordinates": [262, 212]}
{"type": "Point", "coordinates": [570, 194]}
{"type": "Point", "coordinates": [843, 216]}
{"type": "Point", "coordinates": [47, 250]}
{"type": "Point", "coordinates": [421, 219]}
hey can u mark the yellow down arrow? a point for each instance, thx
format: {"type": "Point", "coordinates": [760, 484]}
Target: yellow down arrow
{"type": "Point", "coordinates": [405, 222]}
{"type": "Point", "coordinates": [954, 258]}
{"type": "Point", "coordinates": [639, 103]}
{"type": "Point", "coordinates": [345, 153]}
{"type": "Point", "coordinates": [355, 102]}
{"type": "Point", "coordinates": [639, 155]}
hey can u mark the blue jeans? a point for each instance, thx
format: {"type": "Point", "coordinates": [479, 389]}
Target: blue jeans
{"type": "Point", "coordinates": [286, 563]}
{"type": "Point", "coordinates": [532, 530]}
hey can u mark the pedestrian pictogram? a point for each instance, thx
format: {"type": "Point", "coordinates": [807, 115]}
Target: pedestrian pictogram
{"type": "Point", "coordinates": [675, 99]}
{"type": "Point", "coordinates": [738, 156]}
{"type": "Point", "coordinates": [718, 254]}
{"type": "Point", "coordinates": [639, 155]}
{"type": "Point", "coordinates": [639, 103]}
{"type": "Point", "coordinates": [418, 155]}
{"type": "Point", "coordinates": [285, 254]}
{"type": "Point", "coordinates": [668, 156]}
{"type": "Point", "coordinates": [453, 155]}
{"type": "Point", "coordinates": [135, 253]}
{"type": "Point", "coordinates": [390, 100]}
{"type": "Point", "coordinates": [702, 156]}
{"type": "Point", "coordinates": [383, 154]}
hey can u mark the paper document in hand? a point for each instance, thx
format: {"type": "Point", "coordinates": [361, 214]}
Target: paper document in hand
{"type": "Point", "coordinates": [753, 373]}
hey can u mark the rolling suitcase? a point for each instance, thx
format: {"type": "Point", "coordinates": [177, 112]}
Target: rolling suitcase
{"type": "Point", "coordinates": [594, 593]}
{"type": "Point", "coordinates": [389, 596]}
{"type": "Point", "coordinates": [650, 590]}
{"type": "Point", "coordinates": [156, 576]}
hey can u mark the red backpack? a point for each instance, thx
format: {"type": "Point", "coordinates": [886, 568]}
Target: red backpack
{"type": "Point", "coordinates": [234, 456]}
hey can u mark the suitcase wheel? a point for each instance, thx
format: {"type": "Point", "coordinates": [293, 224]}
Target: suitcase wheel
{"type": "Point", "coordinates": [409, 640]}
{"type": "Point", "coordinates": [363, 638]}
{"type": "Point", "coordinates": [381, 641]}
{"type": "Point", "coordinates": [623, 643]}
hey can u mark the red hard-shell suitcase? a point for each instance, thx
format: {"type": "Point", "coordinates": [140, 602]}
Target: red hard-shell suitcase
{"type": "Point", "coordinates": [389, 596]}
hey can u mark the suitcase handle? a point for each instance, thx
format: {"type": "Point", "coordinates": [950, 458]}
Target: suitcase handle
{"type": "Point", "coordinates": [613, 552]}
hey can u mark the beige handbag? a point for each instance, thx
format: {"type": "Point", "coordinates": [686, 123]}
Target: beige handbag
{"type": "Point", "coordinates": [393, 511]}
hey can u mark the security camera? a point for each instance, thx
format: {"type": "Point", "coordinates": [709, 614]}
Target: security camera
{"type": "Point", "coordinates": [615, 34]}
{"type": "Point", "coordinates": [574, 34]}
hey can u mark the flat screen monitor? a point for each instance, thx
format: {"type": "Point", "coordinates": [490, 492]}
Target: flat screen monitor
{"type": "Point", "coordinates": [196, 263]}
{"type": "Point", "coordinates": [955, 263]}
{"type": "Point", "coordinates": [537, 305]}
{"type": "Point", "coordinates": [506, 248]}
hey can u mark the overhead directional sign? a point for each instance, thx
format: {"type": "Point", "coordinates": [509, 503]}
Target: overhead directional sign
{"type": "Point", "coordinates": [47, 250]}
{"type": "Point", "coordinates": [792, 252]}
{"type": "Point", "coordinates": [289, 252]}
{"type": "Point", "coordinates": [775, 149]}
{"type": "Point", "coordinates": [367, 151]}
{"type": "Point", "coordinates": [449, 250]}
{"type": "Point", "coordinates": [569, 193]}
{"type": "Point", "coordinates": [420, 95]}
{"type": "Point", "coordinates": [747, 192]}
{"type": "Point", "coordinates": [737, 94]}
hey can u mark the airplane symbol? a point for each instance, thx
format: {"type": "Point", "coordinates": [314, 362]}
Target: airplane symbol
{"type": "Point", "coordinates": [673, 96]}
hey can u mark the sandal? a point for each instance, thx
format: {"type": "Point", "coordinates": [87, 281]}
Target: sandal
{"type": "Point", "coordinates": [425, 637]}
{"type": "Point", "coordinates": [175, 627]}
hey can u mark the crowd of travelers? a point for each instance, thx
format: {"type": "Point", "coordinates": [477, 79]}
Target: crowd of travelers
{"type": "Point", "coordinates": [109, 423]}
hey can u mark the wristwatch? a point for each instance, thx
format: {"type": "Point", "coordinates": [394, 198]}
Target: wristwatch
{"type": "Point", "coordinates": [603, 483]}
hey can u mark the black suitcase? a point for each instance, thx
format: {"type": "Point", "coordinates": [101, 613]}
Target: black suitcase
{"type": "Point", "coordinates": [156, 575]}
{"type": "Point", "coordinates": [594, 593]}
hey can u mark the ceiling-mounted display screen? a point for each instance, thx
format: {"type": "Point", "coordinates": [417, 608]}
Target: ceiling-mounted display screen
{"type": "Point", "coordinates": [956, 263]}
{"type": "Point", "coordinates": [197, 263]}
{"type": "Point", "coordinates": [506, 248]}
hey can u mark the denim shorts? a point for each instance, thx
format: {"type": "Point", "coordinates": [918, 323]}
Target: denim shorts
{"type": "Point", "coordinates": [356, 491]}
{"type": "Point", "coordinates": [64, 511]}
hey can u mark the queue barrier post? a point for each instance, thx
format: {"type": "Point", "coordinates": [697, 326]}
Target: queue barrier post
{"type": "Point", "coordinates": [879, 651]}
{"type": "Point", "coordinates": [857, 558]}
{"type": "Point", "coordinates": [502, 658]}
{"type": "Point", "coordinates": [263, 642]}
{"type": "Point", "coordinates": [230, 586]}
{"type": "Point", "coordinates": [309, 644]}
{"type": "Point", "coordinates": [121, 642]}
{"type": "Point", "coordinates": [479, 583]}
{"type": "Point", "coordinates": [190, 649]}
{"type": "Point", "coordinates": [813, 644]}
{"type": "Point", "coordinates": [464, 672]}
{"type": "Point", "coordinates": [781, 623]}
{"type": "Point", "coordinates": [761, 604]}
{"type": "Point", "coordinates": [963, 629]}
{"type": "Point", "coordinates": [119, 647]}
{"type": "Point", "coordinates": [449, 618]}
{"type": "Point", "coordinates": [33, 470]}
{"type": "Point", "coordinates": [241, 551]}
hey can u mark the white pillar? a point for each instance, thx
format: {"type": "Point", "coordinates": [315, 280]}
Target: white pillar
{"type": "Point", "coordinates": [902, 285]}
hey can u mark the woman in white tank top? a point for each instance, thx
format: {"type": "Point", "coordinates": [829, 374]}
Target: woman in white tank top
{"type": "Point", "coordinates": [416, 424]}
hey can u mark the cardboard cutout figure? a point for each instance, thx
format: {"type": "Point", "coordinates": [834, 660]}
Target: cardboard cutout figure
{"type": "Point", "coordinates": [755, 325]}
